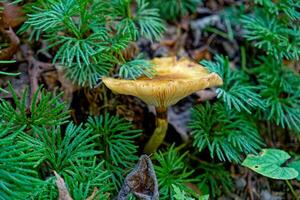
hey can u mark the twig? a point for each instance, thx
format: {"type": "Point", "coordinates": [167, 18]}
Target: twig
{"type": "Point", "coordinates": [35, 69]}
{"type": "Point", "coordinates": [196, 159]}
{"type": "Point", "coordinates": [249, 185]}
{"type": "Point", "coordinates": [208, 42]}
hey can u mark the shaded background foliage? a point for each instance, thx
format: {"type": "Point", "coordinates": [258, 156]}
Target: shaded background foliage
{"type": "Point", "coordinates": [92, 138]}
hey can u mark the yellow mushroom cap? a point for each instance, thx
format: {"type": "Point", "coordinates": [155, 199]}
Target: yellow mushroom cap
{"type": "Point", "coordinates": [174, 80]}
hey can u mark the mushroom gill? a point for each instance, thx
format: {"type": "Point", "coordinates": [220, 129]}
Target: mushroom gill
{"type": "Point", "coordinates": [174, 80]}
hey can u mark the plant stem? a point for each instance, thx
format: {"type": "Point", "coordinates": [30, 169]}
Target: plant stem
{"type": "Point", "coordinates": [129, 15]}
{"type": "Point", "coordinates": [292, 189]}
{"type": "Point", "coordinates": [160, 131]}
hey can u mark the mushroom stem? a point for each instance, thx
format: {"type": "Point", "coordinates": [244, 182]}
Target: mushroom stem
{"type": "Point", "coordinates": [160, 131]}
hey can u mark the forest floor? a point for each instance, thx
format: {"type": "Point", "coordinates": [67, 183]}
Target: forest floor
{"type": "Point", "coordinates": [185, 38]}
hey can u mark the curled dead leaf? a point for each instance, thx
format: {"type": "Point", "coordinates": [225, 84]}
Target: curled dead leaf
{"type": "Point", "coordinates": [62, 188]}
{"type": "Point", "coordinates": [141, 181]}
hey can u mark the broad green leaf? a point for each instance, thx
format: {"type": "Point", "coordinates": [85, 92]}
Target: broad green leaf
{"type": "Point", "coordinates": [268, 163]}
{"type": "Point", "coordinates": [204, 197]}
{"type": "Point", "coordinates": [296, 165]}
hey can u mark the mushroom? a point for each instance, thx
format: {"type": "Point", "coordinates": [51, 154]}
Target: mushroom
{"type": "Point", "coordinates": [174, 80]}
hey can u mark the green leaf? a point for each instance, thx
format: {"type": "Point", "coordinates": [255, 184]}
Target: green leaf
{"type": "Point", "coordinates": [204, 197]}
{"type": "Point", "coordinates": [268, 163]}
{"type": "Point", "coordinates": [296, 165]}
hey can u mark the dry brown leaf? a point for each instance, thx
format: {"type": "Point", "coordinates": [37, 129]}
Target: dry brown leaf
{"type": "Point", "coordinates": [62, 188]}
{"type": "Point", "coordinates": [194, 187]}
{"type": "Point", "coordinates": [131, 51]}
{"type": "Point", "coordinates": [93, 195]}
{"type": "Point", "coordinates": [169, 42]}
{"type": "Point", "coordinates": [67, 85]}
{"type": "Point", "coordinates": [12, 15]}
{"type": "Point", "coordinates": [206, 95]}
{"type": "Point", "coordinates": [141, 181]}
{"type": "Point", "coordinates": [200, 54]}
{"type": "Point", "coordinates": [179, 121]}
{"type": "Point", "coordinates": [7, 53]}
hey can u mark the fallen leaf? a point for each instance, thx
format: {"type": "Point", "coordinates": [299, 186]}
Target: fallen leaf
{"type": "Point", "coordinates": [93, 195]}
{"type": "Point", "coordinates": [179, 122]}
{"type": "Point", "coordinates": [8, 52]}
{"type": "Point", "coordinates": [200, 54]}
{"type": "Point", "coordinates": [62, 188]}
{"type": "Point", "coordinates": [141, 181]}
{"type": "Point", "coordinates": [206, 95]}
{"type": "Point", "coordinates": [268, 163]}
{"type": "Point", "coordinates": [12, 15]}
{"type": "Point", "coordinates": [198, 26]}
{"type": "Point", "coordinates": [67, 85]}
{"type": "Point", "coordinates": [170, 42]}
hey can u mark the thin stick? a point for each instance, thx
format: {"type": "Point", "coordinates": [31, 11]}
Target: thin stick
{"type": "Point", "coordinates": [292, 190]}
